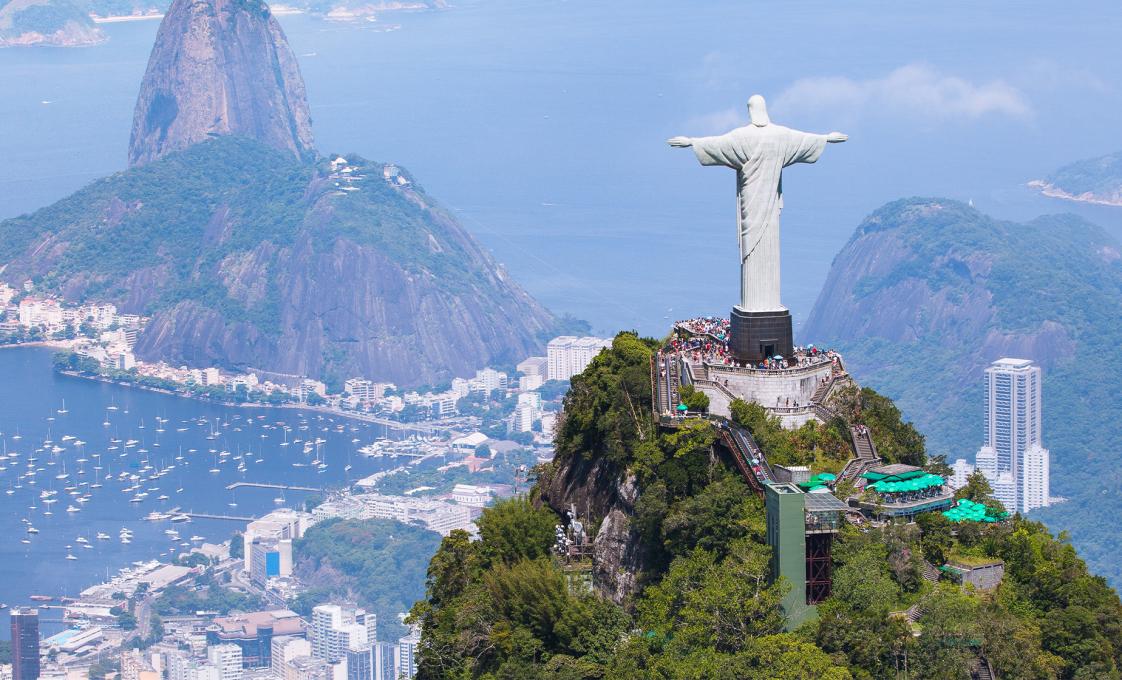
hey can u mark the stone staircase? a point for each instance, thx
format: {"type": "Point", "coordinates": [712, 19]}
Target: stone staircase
{"type": "Point", "coordinates": [915, 611]}
{"type": "Point", "coordinates": [863, 444]}
{"type": "Point", "coordinates": [865, 453]}
{"type": "Point", "coordinates": [930, 572]}
{"type": "Point", "coordinates": [822, 391]}
{"type": "Point", "coordinates": [981, 670]}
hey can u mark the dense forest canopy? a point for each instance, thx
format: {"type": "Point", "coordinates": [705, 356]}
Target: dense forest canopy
{"type": "Point", "coordinates": [506, 606]}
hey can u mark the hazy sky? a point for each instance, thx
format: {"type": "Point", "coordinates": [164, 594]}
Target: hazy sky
{"type": "Point", "coordinates": [543, 125]}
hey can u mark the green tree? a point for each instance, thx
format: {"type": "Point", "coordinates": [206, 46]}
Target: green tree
{"type": "Point", "coordinates": [608, 406]}
{"type": "Point", "coordinates": [936, 541]}
{"type": "Point", "coordinates": [513, 530]}
{"type": "Point", "coordinates": [694, 399]}
{"type": "Point", "coordinates": [978, 489]}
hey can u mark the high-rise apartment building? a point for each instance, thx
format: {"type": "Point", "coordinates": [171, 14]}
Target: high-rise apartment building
{"type": "Point", "coordinates": [183, 667]}
{"type": "Point", "coordinates": [567, 355]}
{"type": "Point", "coordinates": [1012, 457]}
{"type": "Point", "coordinates": [227, 658]}
{"type": "Point", "coordinates": [338, 632]}
{"type": "Point", "coordinates": [25, 644]}
{"type": "Point", "coordinates": [285, 649]}
{"type": "Point", "coordinates": [407, 653]}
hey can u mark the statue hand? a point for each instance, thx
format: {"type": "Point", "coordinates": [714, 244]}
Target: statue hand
{"type": "Point", "coordinates": [835, 137]}
{"type": "Point", "coordinates": [680, 142]}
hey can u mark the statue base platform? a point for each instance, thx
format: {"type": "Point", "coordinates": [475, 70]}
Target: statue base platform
{"type": "Point", "coordinates": [755, 336]}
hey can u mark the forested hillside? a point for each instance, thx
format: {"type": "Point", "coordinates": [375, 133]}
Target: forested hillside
{"type": "Point", "coordinates": [693, 540]}
{"type": "Point", "coordinates": [929, 291]}
{"type": "Point", "coordinates": [247, 258]}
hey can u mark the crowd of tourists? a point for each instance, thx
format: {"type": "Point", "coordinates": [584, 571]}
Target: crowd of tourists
{"type": "Point", "coordinates": [704, 339]}
{"type": "Point", "coordinates": [707, 325]}
{"type": "Point", "coordinates": [701, 349]}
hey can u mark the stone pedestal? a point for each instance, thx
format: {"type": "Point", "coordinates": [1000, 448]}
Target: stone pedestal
{"type": "Point", "coordinates": [755, 336]}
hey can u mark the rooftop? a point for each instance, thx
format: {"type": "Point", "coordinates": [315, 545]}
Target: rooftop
{"type": "Point", "coordinates": [1008, 362]}
{"type": "Point", "coordinates": [973, 561]}
{"type": "Point", "coordinates": [823, 502]}
{"type": "Point", "coordinates": [283, 621]}
{"type": "Point", "coordinates": [894, 470]}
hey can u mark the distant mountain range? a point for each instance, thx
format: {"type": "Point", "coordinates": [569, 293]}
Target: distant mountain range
{"type": "Point", "coordinates": [60, 23]}
{"type": "Point", "coordinates": [71, 23]}
{"type": "Point", "coordinates": [928, 291]}
{"type": "Point", "coordinates": [1094, 180]}
{"type": "Point", "coordinates": [249, 250]}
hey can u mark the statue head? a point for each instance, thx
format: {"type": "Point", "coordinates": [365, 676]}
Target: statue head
{"type": "Point", "coordinates": [757, 111]}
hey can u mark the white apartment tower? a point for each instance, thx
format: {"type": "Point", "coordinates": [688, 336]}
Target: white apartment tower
{"type": "Point", "coordinates": [407, 654]}
{"type": "Point", "coordinates": [227, 658]}
{"type": "Point", "coordinates": [341, 632]}
{"type": "Point", "coordinates": [567, 355]}
{"type": "Point", "coordinates": [1012, 457]}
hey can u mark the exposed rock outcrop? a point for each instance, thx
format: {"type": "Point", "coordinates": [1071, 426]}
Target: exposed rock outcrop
{"type": "Point", "coordinates": [248, 251]}
{"type": "Point", "coordinates": [248, 259]}
{"type": "Point", "coordinates": [604, 495]}
{"type": "Point", "coordinates": [220, 67]}
{"type": "Point", "coordinates": [938, 271]}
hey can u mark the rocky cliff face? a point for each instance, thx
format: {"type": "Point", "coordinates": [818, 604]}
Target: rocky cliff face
{"type": "Point", "coordinates": [928, 292]}
{"type": "Point", "coordinates": [249, 252]}
{"type": "Point", "coordinates": [599, 491]}
{"type": "Point", "coordinates": [937, 271]}
{"type": "Point", "coordinates": [220, 67]}
{"type": "Point", "coordinates": [248, 259]}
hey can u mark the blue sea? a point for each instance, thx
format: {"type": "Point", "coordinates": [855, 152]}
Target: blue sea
{"type": "Point", "coordinates": [201, 448]}
{"type": "Point", "coordinates": [542, 124]}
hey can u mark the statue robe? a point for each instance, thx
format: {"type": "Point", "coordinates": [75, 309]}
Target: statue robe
{"type": "Point", "coordinates": [759, 154]}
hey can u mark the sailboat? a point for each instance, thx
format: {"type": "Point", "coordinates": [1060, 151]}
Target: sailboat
{"type": "Point", "coordinates": [63, 411]}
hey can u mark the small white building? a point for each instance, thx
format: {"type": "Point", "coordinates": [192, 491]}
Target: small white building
{"type": "Point", "coordinates": [468, 443]}
{"type": "Point", "coordinates": [471, 495]}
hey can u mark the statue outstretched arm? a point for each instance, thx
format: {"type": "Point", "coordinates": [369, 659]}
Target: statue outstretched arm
{"type": "Point", "coordinates": [835, 137]}
{"type": "Point", "coordinates": [680, 142]}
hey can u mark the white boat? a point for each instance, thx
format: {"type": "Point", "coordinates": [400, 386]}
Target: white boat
{"type": "Point", "coordinates": [101, 536]}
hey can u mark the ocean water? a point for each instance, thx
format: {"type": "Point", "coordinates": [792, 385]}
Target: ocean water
{"type": "Point", "coordinates": [31, 398]}
{"type": "Point", "coordinates": [542, 125]}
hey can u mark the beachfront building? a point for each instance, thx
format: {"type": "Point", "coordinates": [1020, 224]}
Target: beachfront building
{"type": "Point", "coordinates": [280, 524]}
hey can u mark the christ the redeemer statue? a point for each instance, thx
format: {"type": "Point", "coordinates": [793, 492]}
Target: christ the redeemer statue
{"type": "Point", "coordinates": [759, 152]}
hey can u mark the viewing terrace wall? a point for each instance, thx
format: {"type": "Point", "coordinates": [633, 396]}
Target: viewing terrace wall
{"type": "Point", "coordinates": [777, 390]}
